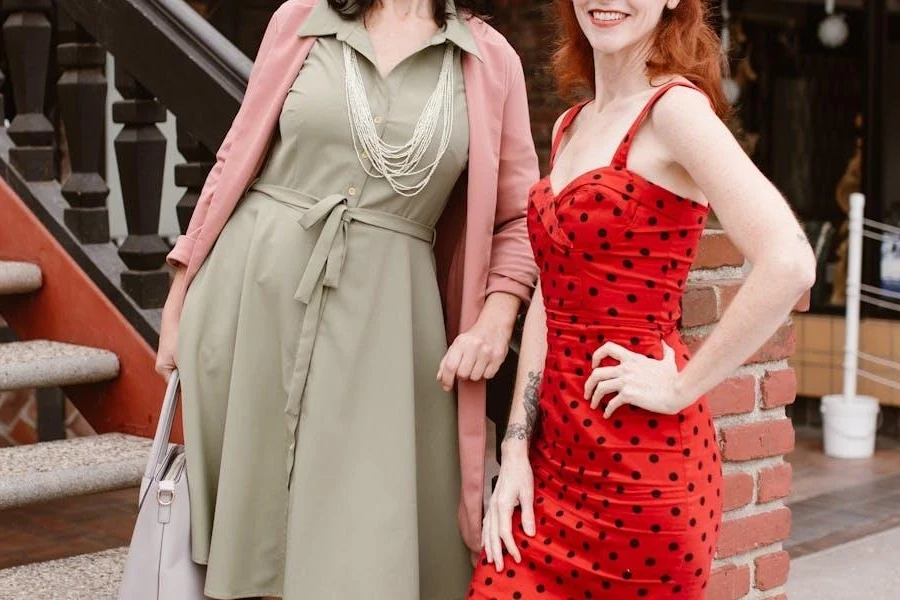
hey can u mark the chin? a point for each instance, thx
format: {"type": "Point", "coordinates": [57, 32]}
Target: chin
{"type": "Point", "coordinates": [607, 31]}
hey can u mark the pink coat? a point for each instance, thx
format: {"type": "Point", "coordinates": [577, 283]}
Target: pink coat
{"type": "Point", "coordinates": [482, 244]}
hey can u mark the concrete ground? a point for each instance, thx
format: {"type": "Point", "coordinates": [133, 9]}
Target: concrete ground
{"type": "Point", "coordinates": [865, 569]}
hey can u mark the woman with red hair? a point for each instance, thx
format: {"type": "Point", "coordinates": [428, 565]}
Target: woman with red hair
{"type": "Point", "coordinates": [611, 453]}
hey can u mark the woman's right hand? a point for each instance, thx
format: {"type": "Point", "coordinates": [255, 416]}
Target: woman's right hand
{"type": "Point", "coordinates": [166, 359]}
{"type": "Point", "coordinates": [168, 344]}
{"type": "Point", "coordinates": [515, 487]}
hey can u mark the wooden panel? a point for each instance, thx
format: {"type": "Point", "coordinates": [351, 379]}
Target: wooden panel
{"type": "Point", "coordinates": [68, 309]}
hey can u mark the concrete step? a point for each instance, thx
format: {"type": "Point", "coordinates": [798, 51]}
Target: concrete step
{"type": "Point", "coordinates": [19, 277]}
{"type": "Point", "coordinates": [85, 577]}
{"type": "Point", "coordinates": [41, 363]}
{"type": "Point", "coordinates": [47, 470]}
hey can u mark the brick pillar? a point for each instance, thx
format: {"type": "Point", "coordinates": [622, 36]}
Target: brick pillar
{"type": "Point", "coordinates": [754, 435]}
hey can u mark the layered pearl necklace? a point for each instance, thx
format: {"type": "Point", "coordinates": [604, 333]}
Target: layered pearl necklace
{"type": "Point", "coordinates": [398, 163]}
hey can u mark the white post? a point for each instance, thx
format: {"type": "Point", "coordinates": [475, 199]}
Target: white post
{"type": "Point", "coordinates": [854, 277]}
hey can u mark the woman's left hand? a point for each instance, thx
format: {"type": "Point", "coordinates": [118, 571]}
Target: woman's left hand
{"type": "Point", "coordinates": [474, 355]}
{"type": "Point", "coordinates": [637, 380]}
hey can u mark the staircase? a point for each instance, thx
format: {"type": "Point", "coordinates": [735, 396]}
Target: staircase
{"type": "Point", "coordinates": [86, 306]}
{"type": "Point", "coordinates": [63, 468]}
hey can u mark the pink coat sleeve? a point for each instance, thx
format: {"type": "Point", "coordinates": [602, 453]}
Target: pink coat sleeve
{"type": "Point", "coordinates": [512, 268]}
{"type": "Point", "coordinates": [184, 246]}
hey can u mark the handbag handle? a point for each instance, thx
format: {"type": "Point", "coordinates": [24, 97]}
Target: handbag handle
{"type": "Point", "coordinates": [163, 431]}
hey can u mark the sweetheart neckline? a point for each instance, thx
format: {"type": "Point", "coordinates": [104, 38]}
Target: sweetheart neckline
{"type": "Point", "coordinates": [574, 183]}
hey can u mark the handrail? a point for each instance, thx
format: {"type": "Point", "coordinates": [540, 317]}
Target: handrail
{"type": "Point", "coordinates": [228, 55]}
{"type": "Point", "coordinates": [185, 48]}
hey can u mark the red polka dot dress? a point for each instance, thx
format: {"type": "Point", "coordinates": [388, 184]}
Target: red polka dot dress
{"type": "Point", "coordinates": [627, 507]}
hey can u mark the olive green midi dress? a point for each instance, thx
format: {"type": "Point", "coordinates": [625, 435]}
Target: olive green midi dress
{"type": "Point", "coordinates": [322, 453]}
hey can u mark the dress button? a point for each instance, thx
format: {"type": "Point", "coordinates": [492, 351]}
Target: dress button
{"type": "Point", "coordinates": [352, 191]}
{"type": "Point", "coordinates": [377, 120]}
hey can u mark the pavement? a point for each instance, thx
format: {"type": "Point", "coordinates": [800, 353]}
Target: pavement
{"type": "Point", "coordinates": [864, 569]}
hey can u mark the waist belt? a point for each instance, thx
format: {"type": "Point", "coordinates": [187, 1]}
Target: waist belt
{"type": "Point", "coordinates": [324, 270]}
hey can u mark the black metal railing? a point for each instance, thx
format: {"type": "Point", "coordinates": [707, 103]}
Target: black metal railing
{"type": "Point", "coordinates": [167, 57]}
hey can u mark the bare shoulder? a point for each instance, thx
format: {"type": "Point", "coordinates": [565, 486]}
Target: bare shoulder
{"type": "Point", "coordinates": [681, 105]}
{"type": "Point", "coordinates": [684, 115]}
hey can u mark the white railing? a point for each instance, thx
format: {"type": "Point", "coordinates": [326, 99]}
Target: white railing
{"type": "Point", "coordinates": [857, 293]}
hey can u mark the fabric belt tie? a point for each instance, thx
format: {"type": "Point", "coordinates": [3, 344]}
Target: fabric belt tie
{"type": "Point", "coordinates": [324, 270]}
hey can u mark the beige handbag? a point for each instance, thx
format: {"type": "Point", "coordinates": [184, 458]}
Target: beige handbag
{"type": "Point", "coordinates": [159, 565]}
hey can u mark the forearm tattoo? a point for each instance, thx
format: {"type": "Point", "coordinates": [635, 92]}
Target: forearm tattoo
{"type": "Point", "coordinates": [523, 431]}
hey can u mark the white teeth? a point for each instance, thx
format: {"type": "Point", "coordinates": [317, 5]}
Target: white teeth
{"type": "Point", "coordinates": [606, 16]}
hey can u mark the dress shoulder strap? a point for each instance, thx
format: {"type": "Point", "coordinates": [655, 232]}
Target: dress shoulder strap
{"type": "Point", "coordinates": [620, 159]}
{"type": "Point", "coordinates": [568, 119]}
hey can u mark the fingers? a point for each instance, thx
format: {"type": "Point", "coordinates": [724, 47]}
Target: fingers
{"type": "Point", "coordinates": [603, 389]}
{"type": "Point", "coordinates": [494, 365]}
{"type": "Point", "coordinates": [611, 350]}
{"type": "Point", "coordinates": [486, 536]}
{"type": "Point", "coordinates": [613, 405]}
{"type": "Point", "coordinates": [496, 547]}
{"type": "Point", "coordinates": [506, 535]}
{"type": "Point", "coordinates": [468, 358]}
{"type": "Point", "coordinates": [526, 501]}
{"type": "Point", "coordinates": [449, 367]}
{"type": "Point", "coordinates": [668, 352]}
{"type": "Point", "coordinates": [164, 367]}
{"type": "Point", "coordinates": [598, 375]}
{"type": "Point", "coordinates": [481, 364]}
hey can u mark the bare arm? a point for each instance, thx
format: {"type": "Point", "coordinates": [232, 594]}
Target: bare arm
{"type": "Point", "coordinates": [524, 412]}
{"type": "Point", "coordinates": [759, 222]}
{"type": "Point", "coordinates": [515, 485]}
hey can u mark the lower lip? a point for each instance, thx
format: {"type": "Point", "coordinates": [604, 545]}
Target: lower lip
{"type": "Point", "coordinates": [599, 23]}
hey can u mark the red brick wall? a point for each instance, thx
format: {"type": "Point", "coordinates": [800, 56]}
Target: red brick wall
{"type": "Point", "coordinates": [754, 434]}
{"type": "Point", "coordinates": [528, 24]}
{"type": "Point", "coordinates": [18, 417]}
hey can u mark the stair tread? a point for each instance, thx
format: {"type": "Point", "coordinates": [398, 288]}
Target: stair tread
{"type": "Point", "coordinates": [96, 576]}
{"type": "Point", "coordinates": [19, 277]}
{"type": "Point", "coordinates": [43, 363]}
{"type": "Point", "coordinates": [48, 470]}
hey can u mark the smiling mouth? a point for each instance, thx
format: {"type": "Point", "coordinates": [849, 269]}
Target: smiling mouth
{"type": "Point", "coordinates": [607, 17]}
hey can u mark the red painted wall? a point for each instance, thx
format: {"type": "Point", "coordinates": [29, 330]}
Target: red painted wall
{"type": "Point", "coordinates": [70, 308]}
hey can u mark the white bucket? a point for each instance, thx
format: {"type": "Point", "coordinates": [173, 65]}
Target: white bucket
{"type": "Point", "coordinates": [849, 426]}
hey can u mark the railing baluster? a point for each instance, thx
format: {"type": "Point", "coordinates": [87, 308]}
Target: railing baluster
{"type": "Point", "coordinates": [27, 35]}
{"type": "Point", "coordinates": [191, 174]}
{"type": "Point", "coordinates": [141, 155]}
{"type": "Point", "coordinates": [82, 104]}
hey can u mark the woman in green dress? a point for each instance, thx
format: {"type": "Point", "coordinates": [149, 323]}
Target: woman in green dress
{"type": "Point", "coordinates": [322, 452]}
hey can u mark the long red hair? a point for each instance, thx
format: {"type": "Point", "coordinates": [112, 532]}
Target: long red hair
{"type": "Point", "coordinates": [684, 44]}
